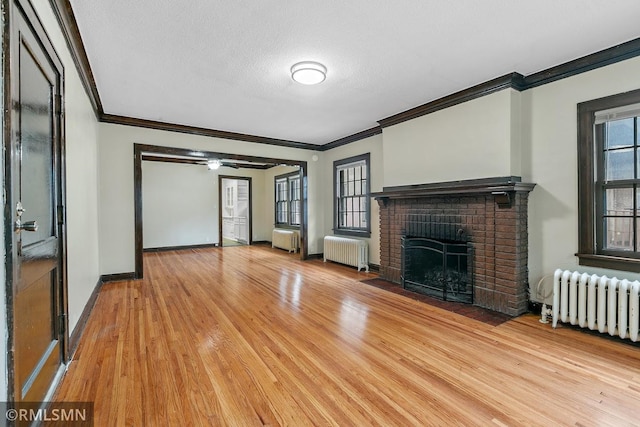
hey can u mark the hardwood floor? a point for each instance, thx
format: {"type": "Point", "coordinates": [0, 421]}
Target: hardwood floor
{"type": "Point", "coordinates": [254, 336]}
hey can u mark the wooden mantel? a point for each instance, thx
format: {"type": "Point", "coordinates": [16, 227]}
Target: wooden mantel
{"type": "Point", "coordinates": [500, 187]}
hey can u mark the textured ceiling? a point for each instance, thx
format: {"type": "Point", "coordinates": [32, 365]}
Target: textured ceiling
{"type": "Point", "coordinates": [224, 65]}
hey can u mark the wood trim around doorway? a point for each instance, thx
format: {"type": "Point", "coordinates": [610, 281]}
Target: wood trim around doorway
{"type": "Point", "coordinates": [146, 149]}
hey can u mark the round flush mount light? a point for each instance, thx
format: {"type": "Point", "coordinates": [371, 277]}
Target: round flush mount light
{"type": "Point", "coordinates": [308, 72]}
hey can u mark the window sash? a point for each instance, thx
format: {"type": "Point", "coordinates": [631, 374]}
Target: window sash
{"type": "Point", "coordinates": [351, 186]}
{"type": "Point", "coordinates": [616, 226]}
{"type": "Point", "coordinates": [288, 200]}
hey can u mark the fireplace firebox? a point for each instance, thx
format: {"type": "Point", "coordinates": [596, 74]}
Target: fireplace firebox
{"type": "Point", "coordinates": [438, 268]}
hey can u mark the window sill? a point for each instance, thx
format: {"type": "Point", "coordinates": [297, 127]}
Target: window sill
{"type": "Point", "coordinates": [287, 226]}
{"type": "Point", "coordinates": [610, 262]}
{"type": "Point", "coordinates": [354, 233]}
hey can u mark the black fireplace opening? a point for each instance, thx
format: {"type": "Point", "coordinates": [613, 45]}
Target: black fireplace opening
{"type": "Point", "coordinates": [438, 268]}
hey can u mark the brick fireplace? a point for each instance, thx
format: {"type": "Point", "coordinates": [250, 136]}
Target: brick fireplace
{"type": "Point", "coordinates": [489, 214]}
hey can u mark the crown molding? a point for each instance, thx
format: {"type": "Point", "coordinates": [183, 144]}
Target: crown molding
{"type": "Point", "coordinates": [605, 57]}
{"type": "Point", "coordinates": [69, 27]}
{"type": "Point", "coordinates": [352, 138]}
{"type": "Point", "coordinates": [513, 81]}
{"type": "Point", "coordinates": [516, 81]}
{"type": "Point", "coordinates": [193, 130]}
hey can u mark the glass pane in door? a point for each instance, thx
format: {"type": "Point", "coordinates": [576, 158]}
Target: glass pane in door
{"type": "Point", "coordinates": [36, 150]}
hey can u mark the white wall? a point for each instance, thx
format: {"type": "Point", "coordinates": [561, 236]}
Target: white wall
{"type": "Point", "coordinates": [372, 145]}
{"type": "Point", "coordinates": [116, 185]}
{"type": "Point", "coordinates": [81, 135]}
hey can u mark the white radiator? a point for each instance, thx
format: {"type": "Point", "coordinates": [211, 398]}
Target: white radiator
{"type": "Point", "coordinates": [348, 251]}
{"type": "Point", "coordinates": [597, 302]}
{"type": "Point", "coordinates": [284, 239]}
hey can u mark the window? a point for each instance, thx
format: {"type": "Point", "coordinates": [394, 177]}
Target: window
{"type": "Point", "coordinates": [609, 182]}
{"type": "Point", "coordinates": [288, 196]}
{"type": "Point", "coordinates": [351, 202]}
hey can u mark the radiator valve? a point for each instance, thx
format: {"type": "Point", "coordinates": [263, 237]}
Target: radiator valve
{"type": "Point", "coordinates": [544, 313]}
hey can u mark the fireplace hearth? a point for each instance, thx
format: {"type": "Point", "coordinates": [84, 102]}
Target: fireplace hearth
{"type": "Point", "coordinates": [481, 226]}
{"type": "Point", "coordinates": [440, 269]}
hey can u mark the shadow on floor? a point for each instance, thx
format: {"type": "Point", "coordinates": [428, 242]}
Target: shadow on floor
{"type": "Point", "coordinates": [478, 313]}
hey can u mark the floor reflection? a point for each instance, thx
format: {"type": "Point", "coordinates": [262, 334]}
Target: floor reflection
{"type": "Point", "coordinates": [290, 289]}
{"type": "Point", "coordinates": [353, 317]}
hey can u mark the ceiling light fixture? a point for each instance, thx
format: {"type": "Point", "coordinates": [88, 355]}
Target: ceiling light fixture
{"type": "Point", "coordinates": [214, 164]}
{"type": "Point", "coordinates": [308, 72]}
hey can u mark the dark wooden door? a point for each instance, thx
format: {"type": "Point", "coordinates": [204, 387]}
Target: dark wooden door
{"type": "Point", "coordinates": [37, 246]}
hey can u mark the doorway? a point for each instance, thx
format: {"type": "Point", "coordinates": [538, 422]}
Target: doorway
{"type": "Point", "coordinates": [234, 210]}
{"type": "Point", "coordinates": [34, 221]}
{"type": "Point", "coordinates": [183, 155]}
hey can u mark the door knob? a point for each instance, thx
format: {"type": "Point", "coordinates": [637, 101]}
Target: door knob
{"type": "Point", "coordinates": [26, 226]}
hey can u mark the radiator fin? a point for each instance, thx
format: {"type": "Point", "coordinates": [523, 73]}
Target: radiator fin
{"type": "Point", "coordinates": [608, 305]}
{"type": "Point", "coordinates": [347, 251]}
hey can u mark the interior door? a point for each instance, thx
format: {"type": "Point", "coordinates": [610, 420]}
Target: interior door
{"type": "Point", "coordinates": [37, 251]}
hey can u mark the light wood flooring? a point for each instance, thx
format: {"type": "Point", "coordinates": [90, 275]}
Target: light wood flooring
{"type": "Point", "coordinates": [250, 336]}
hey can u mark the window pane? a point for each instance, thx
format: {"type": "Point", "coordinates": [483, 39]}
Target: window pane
{"type": "Point", "coordinates": [355, 220]}
{"type": "Point", "coordinates": [350, 190]}
{"type": "Point", "coordinates": [619, 164]}
{"type": "Point", "coordinates": [618, 234]}
{"type": "Point", "coordinates": [358, 173]}
{"type": "Point", "coordinates": [619, 201]}
{"type": "Point", "coordinates": [619, 133]}
{"type": "Point", "coordinates": [343, 220]}
{"type": "Point", "coordinates": [356, 204]}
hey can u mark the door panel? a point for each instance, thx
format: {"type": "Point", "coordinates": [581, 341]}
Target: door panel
{"type": "Point", "coordinates": [36, 195]}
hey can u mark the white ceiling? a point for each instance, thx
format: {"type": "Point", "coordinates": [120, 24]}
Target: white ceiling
{"type": "Point", "coordinates": [224, 65]}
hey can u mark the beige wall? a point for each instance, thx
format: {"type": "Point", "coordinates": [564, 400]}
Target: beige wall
{"type": "Point", "coordinates": [180, 203]}
{"type": "Point", "coordinates": [549, 158]}
{"type": "Point", "coordinates": [81, 137]}
{"type": "Point", "coordinates": [372, 145]}
{"type": "Point", "coordinates": [116, 184]}
{"type": "Point", "coordinates": [467, 141]}
{"type": "Point", "coordinates": [532, 134]}
{"type": "Point", "coordinates": [269, 211]}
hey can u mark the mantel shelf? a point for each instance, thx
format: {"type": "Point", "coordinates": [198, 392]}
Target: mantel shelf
{"type": "Point", "coordinates": [494, 186]}
{"type": "Point", "coordinates": [502, 189]}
